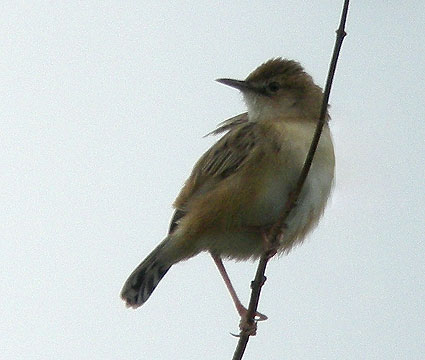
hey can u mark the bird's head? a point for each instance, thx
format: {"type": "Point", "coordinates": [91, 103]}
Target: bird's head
{"type": "Point", "coordinates": [279, 88]}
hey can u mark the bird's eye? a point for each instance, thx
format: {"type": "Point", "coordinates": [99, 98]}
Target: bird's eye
{"type": "Point", "coordinates": [273, 87]}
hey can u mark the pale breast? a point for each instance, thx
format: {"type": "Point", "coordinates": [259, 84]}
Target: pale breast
{"type": "Point", "coordinates": [281, 177]}
{"type": "Point", "coordinates": [317, 187]}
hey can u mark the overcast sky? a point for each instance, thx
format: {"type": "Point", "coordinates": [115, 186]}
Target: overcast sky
{"type": "Point", "coordinates": [102, 112]}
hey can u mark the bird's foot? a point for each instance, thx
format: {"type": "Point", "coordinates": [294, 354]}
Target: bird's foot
{"type": "Point", "coordinates": [249, 326]}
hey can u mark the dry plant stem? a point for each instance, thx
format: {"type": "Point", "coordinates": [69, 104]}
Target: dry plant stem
{"type": "Point", "coordinates": [276, 230]}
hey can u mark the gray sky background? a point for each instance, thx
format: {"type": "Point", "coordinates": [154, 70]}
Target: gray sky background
{"type": "Point", "coordinates": [102, 112]}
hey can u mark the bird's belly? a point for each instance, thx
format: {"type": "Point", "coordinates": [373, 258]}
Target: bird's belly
{"type": "Point", "coordinates": [248, 242]}
{"type": "Point", "coordinates": [309, 207]}
{"type": "Point", "coordinates": [271, 201]}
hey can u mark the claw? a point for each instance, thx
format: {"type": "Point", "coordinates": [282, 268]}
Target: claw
{"type": "Point", "coordinates": [260, 317]}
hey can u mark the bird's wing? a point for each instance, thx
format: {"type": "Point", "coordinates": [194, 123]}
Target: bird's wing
{"type": "Point", "coordinates": [229, 124]}
{"type": "Point", "coordinates": [229, 153]}
{"type": "Point", "coordinates": [223, 159]}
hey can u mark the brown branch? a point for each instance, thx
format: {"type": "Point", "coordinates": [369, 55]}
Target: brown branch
{"type": "Point", "coordinates": [276, 230]}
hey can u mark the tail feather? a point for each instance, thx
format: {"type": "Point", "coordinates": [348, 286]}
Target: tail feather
{"type": "Point", "coordinates": [144, 279]}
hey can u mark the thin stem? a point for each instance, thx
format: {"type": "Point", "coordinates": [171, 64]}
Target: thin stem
{"type": "Point", "coordinates": [276, 230]}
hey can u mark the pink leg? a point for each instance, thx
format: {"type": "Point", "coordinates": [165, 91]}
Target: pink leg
{"type": "Point", "coordinates": [239, 307]}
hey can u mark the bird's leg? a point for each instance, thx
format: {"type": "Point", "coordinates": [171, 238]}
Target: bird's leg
{"type": "Point", "coordinates": [242, 311]}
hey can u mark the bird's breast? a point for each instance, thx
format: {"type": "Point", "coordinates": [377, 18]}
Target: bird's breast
{"type": "Point", "coordinates": [279, 176]}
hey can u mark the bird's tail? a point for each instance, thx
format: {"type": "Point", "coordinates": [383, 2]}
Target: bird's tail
{"type": "Point", "coordinates": [144, 279]}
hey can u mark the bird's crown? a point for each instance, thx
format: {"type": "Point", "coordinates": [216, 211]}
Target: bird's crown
{"type": "Point", "coordinates": [275, 68]}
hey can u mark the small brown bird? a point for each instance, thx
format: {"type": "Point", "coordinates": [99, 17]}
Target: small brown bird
{"type": "Point", "coordinates": [239, 187]}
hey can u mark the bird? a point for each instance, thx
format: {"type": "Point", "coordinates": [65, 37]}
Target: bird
{"type": "Point", "coordinates": [238, 188]}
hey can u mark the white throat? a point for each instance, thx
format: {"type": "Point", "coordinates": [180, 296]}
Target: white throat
{"type": "Point", "coordinates": [264, 108]}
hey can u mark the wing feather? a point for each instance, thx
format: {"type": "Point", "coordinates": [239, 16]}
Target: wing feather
{"type": "Point", "coordinates": [230, 152]}
{"type": "Point", "coordinates": [229, 124]}
{"type": "Point", "coordinates": [224, 158]}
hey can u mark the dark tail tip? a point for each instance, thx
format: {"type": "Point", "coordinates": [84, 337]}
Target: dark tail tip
{"type": "Point", "coordinates": [142, 282]}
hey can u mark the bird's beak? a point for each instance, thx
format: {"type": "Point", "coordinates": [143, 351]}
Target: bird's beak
{"type": "Point", "coordinates": [237, 84]}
